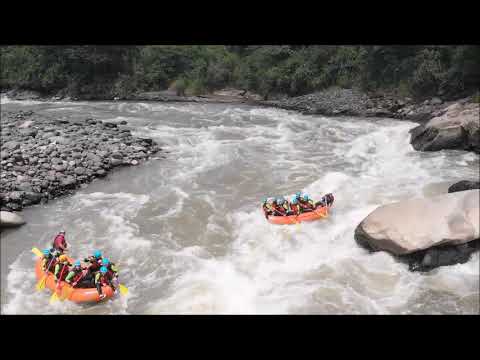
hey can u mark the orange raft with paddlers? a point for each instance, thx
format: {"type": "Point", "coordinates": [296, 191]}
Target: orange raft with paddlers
{"type": "Point", "coordinates": [318, 213]}
{"type": "Point", "coordinates": [78, 295]}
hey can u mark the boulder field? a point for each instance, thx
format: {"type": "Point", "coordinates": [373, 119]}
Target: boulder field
{"type": "Point", "coordinates": [42, 158]}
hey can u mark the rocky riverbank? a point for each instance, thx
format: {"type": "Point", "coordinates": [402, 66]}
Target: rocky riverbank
{"type": "Point", "coordinates": [232, 96]}
{"type": "Point", "coordinates": [42, 158]}
{"type": "Point", "coordinates": [443, 123]}
{"type": "Point", "coordinates": [329, 102]}
{"type": "Point", "coordinates": [452, 124]}
{"type": "Point", "coordinates": [351, 102]}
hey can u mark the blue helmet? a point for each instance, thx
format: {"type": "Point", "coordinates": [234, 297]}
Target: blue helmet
{"type": "Point", "coordinates": [46, 251]}
{"type": "Point", "coordinates": [103, 269]}
{"type": "Point", "coordinates": [280, 201]}
{"type": "Point", "coordinates": [264, 200]}
{"type": "Point", "coordinates": [77, 263]}
{"type": "Point", "coordinates": [294, 200]}
{"type": "Point", "coordinates": [105, 262]}
{"type": "Point", "coordinates": [298, 194]}
{"type": "Point", "coordinates": [305, 197]}
{"type": "Point", "coordinates": [97, 254]}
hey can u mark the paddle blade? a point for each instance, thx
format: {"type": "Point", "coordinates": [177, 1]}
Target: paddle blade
{"type": "Point", "coordinates": [123, 289]}
{"type": "Point", "coordinates": [37, 252]}
{"type": "Point", "coordinates": [41, 284]}
{"type": "Point", "coordinates": [66, 292]}
{"type": "Point", "coordinates": [53, 298]}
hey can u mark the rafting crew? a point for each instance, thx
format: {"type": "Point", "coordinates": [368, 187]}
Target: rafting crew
{"type": "Point", "coordinates": [80, 277]}
{"type": "Point", "coordinates": [300, 203]}
{"type": "Point", "coordinates": [96, 272]}
{"type": "Point", "coordinates": [95, 261]}
{"type": "Point", "coordinates": [90, 276]}
{"type": "Point", "coordinates": [281, 207]}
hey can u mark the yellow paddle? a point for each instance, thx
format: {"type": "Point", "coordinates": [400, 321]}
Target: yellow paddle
{"type": "Point", "coordinates": [37, 252]}
{"type": "Point", "coordinates": [123, 289]}
{"type": "Point", "coordinates": [41, 284]}
{"type": "Point", "coordinates": [54, 296]}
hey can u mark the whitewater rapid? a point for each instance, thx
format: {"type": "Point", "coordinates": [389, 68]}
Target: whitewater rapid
{"type": "Point", "coordinates": [188, 234]}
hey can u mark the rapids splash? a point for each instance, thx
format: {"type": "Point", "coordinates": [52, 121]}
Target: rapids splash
{"type": "Point", "coordinates": [188, 234]}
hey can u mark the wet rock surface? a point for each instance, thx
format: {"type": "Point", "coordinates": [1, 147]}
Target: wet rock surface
{"type": "Point", "coordinates": [425, 232]}
{"type": "Point", "coordinates": [56, 156]}
{"type": "Point", "coordinates": [455, 128]}
{"type": "Point", "coordinates": [9, 219]}
{"type": "Point", "coordinates": [464, 185]}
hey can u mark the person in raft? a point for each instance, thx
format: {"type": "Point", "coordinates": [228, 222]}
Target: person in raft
{"type": "Point", "coordinates": [101, 279]}
{"type": "Point", "coordinates": [281, 207]}
{"type": "Point", "coordinates": [329, 199]}
{"type": "Point", "coordinates": [305, 203]}
{"type": "Point", "coordinates": [267, 205]}
{"type": "Point", "coordinates": [59, 243]}
{"type": "Point", "coordinates": [79, 276]}
{"type": "Point", "coordinates": [61, 268]}
{"type": "Point", "coordinates": [294, 206]}
{"type": "Point", "coordinates": [95, 261]}
{"type": "Point", "coordinates": [112, 272]}
{"type": "Point", "coordinates": [48, 260]}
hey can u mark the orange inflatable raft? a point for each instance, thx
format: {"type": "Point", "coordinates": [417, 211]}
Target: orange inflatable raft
{"type": "Point", "coordinates": [318, 213]}
{"type": "Point", "coordinates": [78, 295]}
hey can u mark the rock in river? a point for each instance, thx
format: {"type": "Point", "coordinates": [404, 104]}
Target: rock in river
{"type": "Point", "coordinates": [415, 225]}
{"type": "Point", "coordinates": [464, 185]}
{"type": "Point", "coordinates": [9, 219]}
{"type": "Point", "coordinates": [457, 128]}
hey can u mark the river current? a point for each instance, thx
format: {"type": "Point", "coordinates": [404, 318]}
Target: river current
{"type": "Point", "coordinates": [188, 234]}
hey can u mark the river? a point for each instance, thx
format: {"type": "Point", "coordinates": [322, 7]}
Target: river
{"type": "Point", "coordinates": [188, 234]}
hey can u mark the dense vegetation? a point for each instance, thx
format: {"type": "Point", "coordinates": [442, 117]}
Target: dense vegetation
{"type": "Point", "coordinates": [417, 71]}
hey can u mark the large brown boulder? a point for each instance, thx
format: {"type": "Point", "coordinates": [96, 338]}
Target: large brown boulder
{"type": "Point", "coordinates": [457, 128]}
{"type": "Point", "coordinates": [417, 224]}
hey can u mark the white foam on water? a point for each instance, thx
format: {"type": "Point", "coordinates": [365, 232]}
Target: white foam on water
{"type": "Point", "coordinates": [6, 100]}
{"type": "Point", "coordinates": [211, 249]}
{"type": "Point", "coordinates": [273, 265]}
{"type": "Point", "coordinates": [118, 211]}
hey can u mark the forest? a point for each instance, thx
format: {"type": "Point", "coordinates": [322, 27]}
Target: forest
{"type": "Point", "coordinates": [272, 70]}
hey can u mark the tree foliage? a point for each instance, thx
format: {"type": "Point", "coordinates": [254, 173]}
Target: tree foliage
{"type": "Point", "coordinates": [269, 70]}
